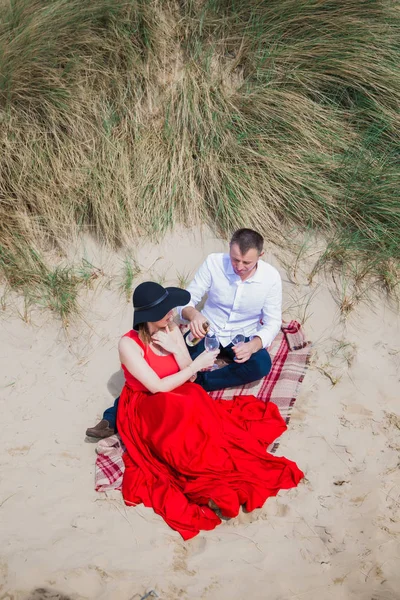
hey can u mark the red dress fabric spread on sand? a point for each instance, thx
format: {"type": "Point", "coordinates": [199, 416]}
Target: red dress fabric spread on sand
{"type": "Point", "coordinates": [183, 449]}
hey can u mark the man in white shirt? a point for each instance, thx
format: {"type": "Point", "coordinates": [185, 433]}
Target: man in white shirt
{"type": "Point", "coordinates": [244, 296]}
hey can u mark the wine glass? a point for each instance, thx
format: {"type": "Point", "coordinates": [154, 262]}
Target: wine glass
{"type": "Point", "coordinates": [239, 337]}
{"type": "Point", "coordinates": [211, 343]}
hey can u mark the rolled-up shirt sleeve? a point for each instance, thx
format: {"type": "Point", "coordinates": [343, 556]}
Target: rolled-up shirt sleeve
{"type": "Point", "coordinates": [271, 313]}
{"type": "Point", "coordinates": [198, 287]}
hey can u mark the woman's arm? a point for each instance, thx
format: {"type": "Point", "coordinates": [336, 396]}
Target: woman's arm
{"type": "Point", "coordinates": [181, 355]}
{"type": "Point", "coordinates": [131, 356]}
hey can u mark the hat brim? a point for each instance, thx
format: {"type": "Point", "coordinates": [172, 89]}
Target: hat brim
{"type": "Point", "coordinates": [176, 297]}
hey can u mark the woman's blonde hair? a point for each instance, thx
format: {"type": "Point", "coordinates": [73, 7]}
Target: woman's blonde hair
{"type": "Point", "coordinates": [144, 334]}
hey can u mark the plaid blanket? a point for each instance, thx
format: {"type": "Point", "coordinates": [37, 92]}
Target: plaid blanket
{"type": "Point", "coordinates": [290, 354]}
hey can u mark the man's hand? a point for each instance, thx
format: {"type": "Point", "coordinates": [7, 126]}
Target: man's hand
{"type": "Point", "coordinates": [245, 350]}
{"type": "Point", "coordinates": [197, 321]}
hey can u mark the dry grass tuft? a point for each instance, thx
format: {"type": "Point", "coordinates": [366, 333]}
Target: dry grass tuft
{"type": "Point", "coordinates": [124, 117]}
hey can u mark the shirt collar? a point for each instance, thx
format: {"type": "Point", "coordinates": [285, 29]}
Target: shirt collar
{"type": "Point", "coordinates": [228, 267]}
{"type": "Point", "coordinates": [257, 277]}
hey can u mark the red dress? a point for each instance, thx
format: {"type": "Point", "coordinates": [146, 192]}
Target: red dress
{"type": "Point", "coordinates": [183, 449]}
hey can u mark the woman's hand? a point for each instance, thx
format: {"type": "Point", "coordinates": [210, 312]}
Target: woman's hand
{"type": "Point", "coordinates": [205, 360]}
{"type": "Point", "coordinates": [166, 340]}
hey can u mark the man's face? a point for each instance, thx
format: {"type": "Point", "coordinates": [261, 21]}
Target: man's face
{"type": "Point", "coordinates": [243, 264]}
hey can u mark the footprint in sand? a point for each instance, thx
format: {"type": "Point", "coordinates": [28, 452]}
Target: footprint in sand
{"type": "Point", "coordinates": [46, 594]}
{"type": "Point", "coordinates": [20, 450]}
{"type": "Point", "coordinates": [179, 563]}
{"type": "Point", "coordinates": [196, 546]}
{"type": "Point", "coordinates": [3, 574]}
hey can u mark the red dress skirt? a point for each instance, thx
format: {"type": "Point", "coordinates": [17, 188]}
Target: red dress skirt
{"type": "Point", "coordinates": [184, 449]}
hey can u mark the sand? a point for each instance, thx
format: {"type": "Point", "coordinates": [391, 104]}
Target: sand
{"type": "Point", "coordinates": [334, 537]}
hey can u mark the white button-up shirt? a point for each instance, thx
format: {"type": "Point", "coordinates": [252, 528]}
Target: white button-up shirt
{"type": "Point", "coordinates": [253, 306]}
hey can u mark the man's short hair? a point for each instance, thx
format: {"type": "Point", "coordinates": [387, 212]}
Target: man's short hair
{"type": "Point", "coordinates": [247, 239]}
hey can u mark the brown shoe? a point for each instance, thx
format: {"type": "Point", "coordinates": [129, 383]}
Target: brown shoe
{"type": "Point", "coordinates": [101, 430]}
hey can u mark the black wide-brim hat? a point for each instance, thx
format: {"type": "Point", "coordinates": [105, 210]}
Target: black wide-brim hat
{"type": "Point", "coordinates": [151, 301]}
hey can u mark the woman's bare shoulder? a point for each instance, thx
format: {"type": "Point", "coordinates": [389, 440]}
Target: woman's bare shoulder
{"type": "Point", "coordinates": [127, 344]}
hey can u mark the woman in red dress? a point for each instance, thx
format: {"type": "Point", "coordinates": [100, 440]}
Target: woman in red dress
{"type": "Point", "coordinates": [184, 451]}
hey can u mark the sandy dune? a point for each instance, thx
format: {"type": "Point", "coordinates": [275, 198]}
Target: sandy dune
{"type": "Point", "coordinates": [335, 537]}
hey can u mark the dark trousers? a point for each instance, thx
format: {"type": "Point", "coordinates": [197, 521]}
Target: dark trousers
{"type": "Point", "coordinates": [233, 375]}
{"type": "Point", "coordinates": [110, 414]}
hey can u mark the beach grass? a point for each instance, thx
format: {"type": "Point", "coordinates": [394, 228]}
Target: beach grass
{"type": "Point", "coordinates": [52, 287]}
{"type": "Point", "coordinates": [130, 272]}
{"type": "Point", "coordinates": [123, 118]}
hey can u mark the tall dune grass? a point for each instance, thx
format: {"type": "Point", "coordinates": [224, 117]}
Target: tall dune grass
{"type": "Point", "coordinates": [124, 117]}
